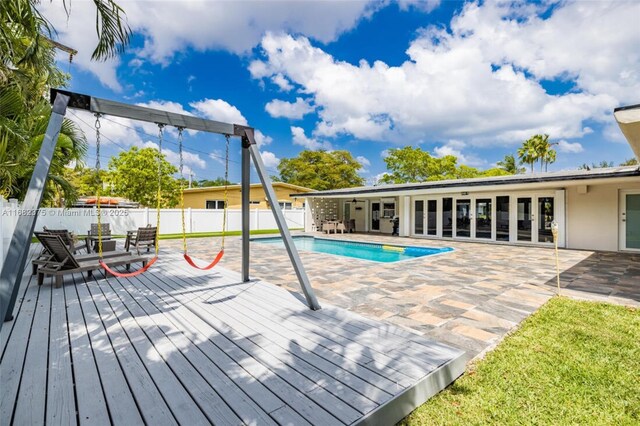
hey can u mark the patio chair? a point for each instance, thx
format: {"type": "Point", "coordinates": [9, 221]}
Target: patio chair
{"type": "Point", "coordinates": [143, 237]}
{"type": "Point", "coordinates": [328, 227]}
{"type": "Point", "coordinates": [340, 227]}
{"type": "Point", "coordinates": [93, 234]}
{"type": "Point", "coordinates": [45, 256]}
{"type": "Point", "coordinates": [68, 238]}
{"type": "Point", "coordinates": [62, 262]}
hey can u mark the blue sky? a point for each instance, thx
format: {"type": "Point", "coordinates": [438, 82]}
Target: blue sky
{"type": "Point", "coordinates": [469, 79]}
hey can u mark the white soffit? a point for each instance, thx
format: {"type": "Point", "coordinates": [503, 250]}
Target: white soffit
{"type": "Point", "coordinates": [628, 119]}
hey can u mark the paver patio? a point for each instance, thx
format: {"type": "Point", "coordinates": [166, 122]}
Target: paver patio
{"type": "Point", "coordinates": [469, 298]}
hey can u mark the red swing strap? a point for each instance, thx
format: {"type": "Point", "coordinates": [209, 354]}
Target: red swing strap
{"type": "Point", "coordinates": [128, 274]}
{"type": "Point", "coordinates": [209, 266]}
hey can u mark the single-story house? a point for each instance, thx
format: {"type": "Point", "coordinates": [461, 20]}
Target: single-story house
{"type": "Point", "coordinates": [595, 209]}
{"type": "Point", "coordinates": [212, 197]}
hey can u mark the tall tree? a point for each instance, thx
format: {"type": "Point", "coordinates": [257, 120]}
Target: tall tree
{"type": "Point", "coordinates": [510, 165]}
{"type": "Point", "coordinates": [321, 170]}
{"type": "Point", "coordinates": [528, 152]}
{"type": "Point", "coordinates": [219, 181]}
{"type": "Point", "coordinates": [27, 70]}
{"type": "Point", "coordinates": [545, 153]}
{"type": "Point", "coordinates": [133, 175]}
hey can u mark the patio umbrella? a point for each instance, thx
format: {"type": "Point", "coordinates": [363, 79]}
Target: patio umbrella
{"type": "Point", "coordinates": [628, 118]}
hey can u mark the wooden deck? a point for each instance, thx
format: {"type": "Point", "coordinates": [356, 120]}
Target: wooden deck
{"type": "Point", "coordinates": [180, 346]}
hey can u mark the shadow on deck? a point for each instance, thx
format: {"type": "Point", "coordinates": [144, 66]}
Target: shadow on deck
{"type": "Point", "coordinates": [181, 346]}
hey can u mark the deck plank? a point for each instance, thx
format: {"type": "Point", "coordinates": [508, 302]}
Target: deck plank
{"type": "Point", "coordinates": [92, 406]}
{"type": "Point", "coordinates": [210, 361]}
{"type": "Point", "coordinates": [122, 374]}
{"type": "Point", "coordinates": [31, 403]}
{"type": "Point", "coordinates": [287, 382]}
{"type": "Point", "coordinates": [61, 407]}
{"type": "Point", "coordinates": [137, 325]}
{"type": "Point", "coordinates": [228, 313]}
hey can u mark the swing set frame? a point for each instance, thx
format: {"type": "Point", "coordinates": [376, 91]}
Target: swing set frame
{"type": "Point", "coordinates": [12, 271]}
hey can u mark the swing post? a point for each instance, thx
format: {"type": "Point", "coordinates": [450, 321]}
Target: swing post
{"type": "Point", "coordinates": [13, 268]}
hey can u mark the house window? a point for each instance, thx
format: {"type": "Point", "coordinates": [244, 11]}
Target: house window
{"type": "Point", "coordinates": [285, 205]}
{"type": "Point", "coordinates": [214, 204]}
{"type": "Point", "coordinates": [388, 209]}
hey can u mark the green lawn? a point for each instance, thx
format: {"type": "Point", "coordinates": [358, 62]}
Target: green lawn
{"type": "Point", "coordinates": [570, 363]}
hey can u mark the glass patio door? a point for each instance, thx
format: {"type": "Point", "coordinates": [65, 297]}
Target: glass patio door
{"type": "Point", "coordinates": [463, 218]}
{"type": "Point", "coordinates": [375, 216]}
{"type": "Point", "coordinates": [418, 217]}
{"type": "Point", "coordinates": [525, 219]}
{"type": "Point", "coordinates": [630, 229]}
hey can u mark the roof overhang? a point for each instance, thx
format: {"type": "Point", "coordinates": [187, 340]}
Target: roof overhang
{"type": "Point", "coordinates": [628, 118]}
{"type": "Point", "coordinates": [517, 183]}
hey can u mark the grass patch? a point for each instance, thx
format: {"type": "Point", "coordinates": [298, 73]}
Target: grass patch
{"type": "Point", "coordinates": [570, 363]}
{"type": "Point", "coordinates": [202, 234]}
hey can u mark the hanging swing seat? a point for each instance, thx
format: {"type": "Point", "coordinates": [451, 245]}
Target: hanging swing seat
{"type": "Point", "coordinates": [207, 267]}
{"type": "Point", "coordinates": [62, 262]}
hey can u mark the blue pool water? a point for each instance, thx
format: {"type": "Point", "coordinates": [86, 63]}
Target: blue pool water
{"type": "Point", "coordinates": [366, 251]}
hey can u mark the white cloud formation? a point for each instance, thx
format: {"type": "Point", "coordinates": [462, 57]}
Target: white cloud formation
{"type": "Point", "coordinates": [262, 139]}
{"type": "Point", "coordinates": [424, 5]}
{"type": "Point", "coordinates": [454, 147]}
{"type": "Point", "coordinates": [293, 110]}
{"type": "Point", "coordinates": [269, 159]}
{"type": "Point", "coordinates": [219, 110]}
{"type": "Point", "coordinates": [280, 81]}
{"type": "Point", "coordinates": [299, 138]}
{"type": "Point", "coordinates": [169, 27]}
{"type": "Point", "coordinates": [363, 160]}
{"type": "Point", "coordinates": [481, 82]}
{"type": "Point", "coordinates": [569, 147]}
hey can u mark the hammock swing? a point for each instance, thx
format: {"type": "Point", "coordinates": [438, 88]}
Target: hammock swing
{"type": "Point", "coordinates": [157, 246]}
{"type": "Point", "coordinates": [186, 256]}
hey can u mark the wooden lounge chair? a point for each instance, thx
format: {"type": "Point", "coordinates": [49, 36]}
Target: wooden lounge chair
{"type": "Point", "coordinates": [63, 262]}
{"type": "Point", "coordinates": [68, 238]}
{"type": "Point", "coordinates": [44, 257]}
{"type": "Point", "coordinates": [143, 237]}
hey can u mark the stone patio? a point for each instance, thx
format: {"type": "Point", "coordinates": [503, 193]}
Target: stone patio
{"type": "Point", "coordinates": [469, 298]}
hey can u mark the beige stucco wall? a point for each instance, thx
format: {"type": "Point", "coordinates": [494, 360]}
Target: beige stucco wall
{"type": "Point", "coordinates": [197, 199]}
{"type": "Point", "coordinates": [593, 219]}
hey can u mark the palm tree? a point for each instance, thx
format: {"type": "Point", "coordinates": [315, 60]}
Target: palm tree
{"type": "Point", "coordinates": [528, 152]}
{"type": "Point", "coordinates": [546, 154]}
{"type": "Point", "coordinates": [510, 165]}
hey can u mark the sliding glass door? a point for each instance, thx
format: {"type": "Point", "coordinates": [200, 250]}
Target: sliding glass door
{"type": "Point", "coordinates": [418, 217]}
{"type": "Point", "coordinates": [463, 218]}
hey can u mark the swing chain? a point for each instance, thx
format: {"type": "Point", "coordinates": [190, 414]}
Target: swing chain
{"type": "Point", "coordinates": [98, 183]}
{"type": "Point", "coordinates": [226, 186]}
{"type": "Point", "coordinates": [180, 130]}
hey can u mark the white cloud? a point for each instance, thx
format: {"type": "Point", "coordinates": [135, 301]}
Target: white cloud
{"type": "Point", "coordinates": [262, 139]}
{"type": "Point", "coordinates": [299, 138]}
{"type": "Point", "coordinates": [219, 110]}
{"type": "Point", "coordinates": [454, 147]}
{"type": "Point", "coordinates": [294, 110]}
{"type": "Point", "coordinates": [363, 160]}
{"type": "Point", "coordinates": [573, 148]}
{"type": "Point", "coordinates": [281, 81]}
{"type": "Point", "coordinates": [384, 153]}
{"type": "Point", "coordinates": [475, 82]}
{"type": "Point", "coordinates": [424, 5]}
{"type": "Point", "coordinates": [190, 160]}
{"type": "Point", "coordinates": [269, 159]}
{"type": "Point", "coordinates": [169, 27]}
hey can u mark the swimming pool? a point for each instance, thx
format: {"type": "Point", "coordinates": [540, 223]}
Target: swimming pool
{"type": "Point", "coordinates": [367, 251]}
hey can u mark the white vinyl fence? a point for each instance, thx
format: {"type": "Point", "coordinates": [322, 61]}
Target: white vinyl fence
{"type": "Point", "coordinates": [122, 220]}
